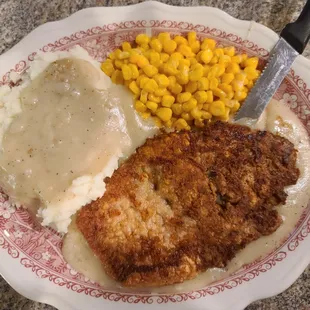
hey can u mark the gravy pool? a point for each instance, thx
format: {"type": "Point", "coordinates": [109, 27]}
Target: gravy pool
{"type": "Point", "coordinates": [277, 119]}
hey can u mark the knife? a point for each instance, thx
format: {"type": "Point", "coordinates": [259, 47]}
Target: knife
{"type": "Point", "coordinates": [293, 40]}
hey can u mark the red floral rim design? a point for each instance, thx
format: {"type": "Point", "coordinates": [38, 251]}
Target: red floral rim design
{"type": "Point", "coordinates": [39, 248]}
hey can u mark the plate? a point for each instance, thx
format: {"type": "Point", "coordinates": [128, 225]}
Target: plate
{"type": "Point", "coordinates": [31, 259]}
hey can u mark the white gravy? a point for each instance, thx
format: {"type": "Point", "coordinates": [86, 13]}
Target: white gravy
{"type": "Point", "coordinates": [69, 127]}
{"type": "Point", "coordinates": [277, 119]}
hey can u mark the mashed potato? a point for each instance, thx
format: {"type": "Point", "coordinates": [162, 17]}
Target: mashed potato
{"type": "Point", "coordinates": [64, 152]}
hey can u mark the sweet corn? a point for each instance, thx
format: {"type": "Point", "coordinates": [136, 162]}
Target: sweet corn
{"type": "Point", "coordinates": [156, 45]}
{"type": "Point", "coordinates": [168, 101]}
{"type": "Point", "coordinates": [150, 86]}
{"type": "Point", "coordinates": [201, 96]}
{"type": "Point", "coordinates": [142, 39]}
{"type": "Point", "coordinates": [208, 44]}
{"type": "Point", "coordinates": [154, 98]}
{"type": "Point", "coordinates": [143, 96]}
{"type": "Point", "coordinates": [180, 40]}
{"type": "Point", "coordinates": [181, 124]}
{"type": "Point", "coordinates": [181, 82]}
{"type": "Point", "coordinates": [206, 55]}
{"type": "Point", "coordinates": [134, 71]}
{"type": "Point", "coordinates": [169, 46]}
{"type": "Point", "coordinates": [133, 86]}
{"type": "Point", "coordinates": [164, 114]}
{"type": "Point", "coordinates": [163, 36]}
{"type": "Point", "coordinates": [140, 106]}
{"type": "Point", "coordinates": [189, 105]}
{"type": "Point", "coordinates": [177, 108]}
{"type": "Point", "coordinates": [151, 105]}
{"type": "Point", "coordinates": [107, 68]}
{"type": "Point", "coordinates": [183, 97]}
{"type": "Point", "coordinates": [191, 87]}
{"type": "Point", "coordinates": [217, 108]}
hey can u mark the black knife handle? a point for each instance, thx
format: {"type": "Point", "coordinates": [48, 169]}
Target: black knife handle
{"type": "Point", "coordinates": [297, 34]}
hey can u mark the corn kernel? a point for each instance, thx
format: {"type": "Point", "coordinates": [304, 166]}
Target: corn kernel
{"type": "Point", "coordinates": [177, 108]}
{"type": "Point", "coordinates": [170, 69]}
{"type": "Point", "coordinates": [140, 106]}
{"type": "Point", "coordinates": [235, 107]}
{"type": "Point", "coordinates": [161, 80]}
{"type": "Point", "coordinates": [163, 36]}
{"type": "Point", "coordinates": [112, 56]}
{"type": "Point", "coordinates": [191, 87]}
{"type": "Point", "coordinates": [107, 68]}
{"type": "Point", "coordinates": [181, 124]}
{"type": "Point", "coordinates": [164, 57]}
{"type": "Point", "coordinates": [118, 63]}
{"type": "Point", "coordinates": [186, 116]}
{"type": "Point", "coordinates": [225, 60]}
{"type": "Point", "coordinates": [172, 80]}
{"type": "Point", "coordinates": [192, 61]}
{"type": "Point", "coordinates": [227, 78]}
{"type": "Point", "coordinates": [219, 52]}
{"type": "Point", "coordinates": [241, 76]}
{"type": "Point", "coordinates": [185, 50]}
{"type": "Point", "coordinates": [219, 93]}
{"type": "Point", "coordinates": [169, 46]}
{"type": "Point", "coordinates": [214, 82]}
{"type": "Point", "coordinates": [240, 95]}
{"type": "Point", "coordinates": [196, 72]}
{"type": "Point", "coordinates": [154, 58]}
{"type": "Point", "coordinates": [206, 70]}
{"type": "Point", "coordinates": [225, 117]}
{"type": "Point", "coordinates": [233, 68]}
{"type": "Point", "coordinates": [176, 88]}
{"type": "Point", "coordinates": [189, 105]}
{"type": "Point", "coordinates": [195, 46]}
{"type": "Point", "coordinates": [116, 53]}
{"type": "Point", "coordinates": [180, 40]}
{"type": "Point", "coordinates": [203, 83]}
{"type": "Point", "coordinates": [206, 115]}
{"type": "Point", "coordinates": [156, 45]}
{"type": "Point", "coordinates": [229, 103]}
{"type": "Point", "coordinates": [146, 115]}
{"type": "Point", "coordinates": [237, 85]}
{"type": "Point", "coordinates": [206, 56]}
{"type": "Point", "coordinates": [251, 62]}
{"type": "Point", "coordinates": [217, 70]}
{"type": "Point", "coordinates": [237, 59]}
{"type": "Point", "coordinates": [164, 114]}
{"type": "Point", "coordinates": [191, 37]}
{"type": "Point", "coordinates": [167, 101]}
{"type": "Point", "coordinates": [150, 86]}
{"type": "Point", "coordinates": [229, 51]}
{"type": "Point", "coordinates": [134, 71]}
{"type": "Point", "coordinates": [123, 55]}
{"type": "Point", "coordinates": [225, 87]}
{"type": "Point", "coordinates": [209, 96]}
{"type": "Point", "coordinates": [117, 77]}
{"type": "Point", "coordinates": [182, 97]}
{"type": "Point", "coordinates": [214, 60]}
{"type": "Point", "coordinates": [217, 108]}
{"type": "Point", "coordinates": [182, 76]}
{"type": "Point", "coordinates": [208, 44]}
{"type": "Point", "coordinates": [201, 96]}
{"type": "Point", "coordinates": [250, 84]}
{"type": "Point", "coordinates": [184, 62]}
{"type": "Point", "coordinates": [134, 88]}
{"type": "Point", "coordinates": [160, 92]}
{"type": "Point", "coordinates": [230, 95]}
{"type": "Point", "coordinates": [176, 55]}
{"type": "Point", "coordinates": [143, 96]}
{"type": "Point", "coordinates": [151, 105]}
{"type": "Point", "coordinates": [196, 114]}
{"type": "Point", "coordinates": [251, 73]}
{"type": "Point", "coordinates": [126, 46]}
{"type": "Point", "coordinates": [206, 107]}
{"type": "Point", "coordinates": [154, 98]}
{"type": "Point", "coordinates": [150, 70]}
{"type": "Point", "coordinates": [142, 39]}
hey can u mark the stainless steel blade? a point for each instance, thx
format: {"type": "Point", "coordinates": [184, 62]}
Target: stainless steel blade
{"type": "Point", "coordinates": [278, 66]}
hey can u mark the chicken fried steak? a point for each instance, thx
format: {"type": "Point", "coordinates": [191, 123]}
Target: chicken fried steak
{"type": "Point", "coordinates": [189, 201]}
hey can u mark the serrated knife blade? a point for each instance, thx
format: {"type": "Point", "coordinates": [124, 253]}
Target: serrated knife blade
{"type": "Point", "coordinates": [293, 40]}
{"type": "Point", "coordinates": [278, 66]}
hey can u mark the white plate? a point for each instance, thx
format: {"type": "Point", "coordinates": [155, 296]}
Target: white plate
{"type": "Point", "coordinates": [31, 259]}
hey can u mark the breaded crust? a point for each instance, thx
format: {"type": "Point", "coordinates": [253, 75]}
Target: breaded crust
{"type": "Point", "coordinates": [186, 202]}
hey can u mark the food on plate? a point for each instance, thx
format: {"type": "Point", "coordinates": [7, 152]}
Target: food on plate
{"type": "Point", "coordinates": [186, 202]}
{"type": "Point", "coordinates": [182, 82]}
{"type": "Point", "coordinates": [64, 129]}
